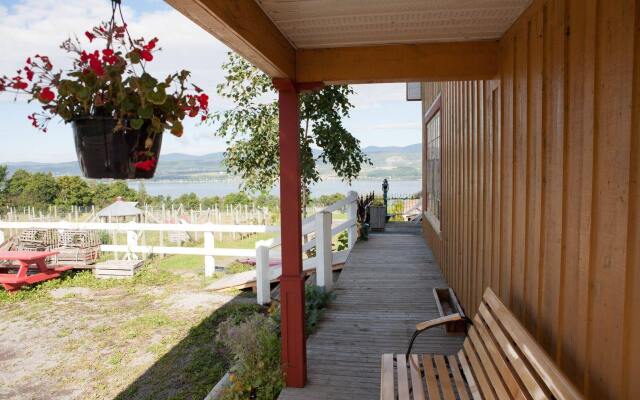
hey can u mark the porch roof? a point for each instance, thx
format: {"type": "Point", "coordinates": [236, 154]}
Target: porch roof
{"type": "Point", "coordinates": [353, 41]}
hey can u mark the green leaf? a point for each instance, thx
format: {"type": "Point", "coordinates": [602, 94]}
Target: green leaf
{"type": "Point", "coordinates": [147, 82]}
{"type": "Point", "coordinates": [134, 56]}
{"type": "Point", "coordinates": [177, 129]}
{"type": "Point", "coordinates": [136, 123]}
{"type": "Point", "coordinates": [157, 97]}
{"type": "Point", "coordinates": [146, 111]}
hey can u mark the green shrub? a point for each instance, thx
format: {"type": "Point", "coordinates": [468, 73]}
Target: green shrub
{"type": "Point", "coordinates": [255, 346]}
{"type": "Point", "coordinates": [316, 300]}
{"type": "Point", "coordinates": [342, 242]}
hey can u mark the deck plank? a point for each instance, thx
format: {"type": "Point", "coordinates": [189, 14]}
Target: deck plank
{"type": "Point", "coordinates": [384, 290]}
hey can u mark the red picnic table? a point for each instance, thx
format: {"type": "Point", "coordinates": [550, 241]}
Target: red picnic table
{"type": "Point", "coordinates": [13, 282]}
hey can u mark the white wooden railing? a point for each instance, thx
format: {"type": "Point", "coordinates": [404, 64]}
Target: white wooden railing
{"type": "Point", "coordinates": [318, 228]}
{"type": "Point", "coordinates": [320, 225]}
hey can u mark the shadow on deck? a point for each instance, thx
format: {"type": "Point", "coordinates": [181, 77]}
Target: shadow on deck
{"type": "Point", "coordinates": [384, 290]}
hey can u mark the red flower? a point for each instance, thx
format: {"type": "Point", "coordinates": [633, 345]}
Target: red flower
{"type": "Point", "coordinates": [46, 95]}
{"type": "Point", "coordinates": [109, 56]}
{"type": "Point", "coordinates": [96, 66]}
{"type": "Point", "coordinates": [32, 118]}
{"type": "Point", "coordinates": [29, 73]}
{"type": "Point", "coordinates": [29, 60]}
{"type": "Point", "coordinates": [204, 100]}
{"type": "Point", "coordinates": [146, 165]}
{"type": "Point", "coordinates": [146, 55]}
{"type": "Point", "coordinates": [90, 36]}
{"type": "Point", "coordinates": [47, 63]}
{"type": "Point", "coordinates": [151, 45]}
{"type": "Point", "coordinates": [19, 85]}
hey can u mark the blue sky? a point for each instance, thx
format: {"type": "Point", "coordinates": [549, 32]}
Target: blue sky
{"type": "Point", "coordinates": [382, 117]}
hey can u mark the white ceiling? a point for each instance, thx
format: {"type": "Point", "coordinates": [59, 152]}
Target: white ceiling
{"type": "Point", "coordinates": [337, 23]}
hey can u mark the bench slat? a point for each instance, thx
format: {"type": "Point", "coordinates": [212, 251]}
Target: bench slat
{"type": "Point", "coordinates": [478, 371]}
{"type": "Point", "coordinates": [475, 392]}
{"type": "Point", "coordinates": [457, 377]}
{"type": "Point", "coordinates": [498, 358]}
{"type": "Point", "coordinates": [387, 389]}
{"type": "Point", "coordinates": [416, 377]}
{"type": "Point", "coordinates": [492, 374]}
{"type": "Point", "coordinates": [443, 375]}
{"type": "Point", "coordinates": [530, 382]}
{"type": "Point", "coordinates": [403, 381]}
{"type": "Point", "coordinates": [430, 378]}
{"type": "Point", "coordinates": [555, 380]}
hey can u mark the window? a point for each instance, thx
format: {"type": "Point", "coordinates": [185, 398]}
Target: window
{"type": "Point", "coordinates": [433, 171]}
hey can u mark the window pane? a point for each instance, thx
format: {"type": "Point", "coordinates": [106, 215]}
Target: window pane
{"type": "Point", "coordinates": [433, 166]}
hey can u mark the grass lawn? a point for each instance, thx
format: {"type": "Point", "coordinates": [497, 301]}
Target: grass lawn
{"type": "Point", "coordinates": [150, 337]}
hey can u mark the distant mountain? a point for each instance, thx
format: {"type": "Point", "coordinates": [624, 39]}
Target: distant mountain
{"type": "Point", "coordinates": [412, 148]}
{"type": "Point", "coordinates": [392, 162]}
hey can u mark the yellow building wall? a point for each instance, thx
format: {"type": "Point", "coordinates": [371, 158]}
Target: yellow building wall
{"type": "Point", "coordinates": [540, 193]}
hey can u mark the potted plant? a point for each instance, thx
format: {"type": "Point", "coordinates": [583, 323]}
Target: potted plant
{"type": "Point", "coordinates": [378, 214]}
{"type": "Point", "coordinates": [117, 110]}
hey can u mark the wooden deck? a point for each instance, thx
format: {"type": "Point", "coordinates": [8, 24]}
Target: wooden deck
{"type": "Point", "coordinates": [383, 291]}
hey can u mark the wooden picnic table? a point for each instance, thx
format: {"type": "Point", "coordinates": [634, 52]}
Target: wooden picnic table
{"type": "Point", "coordinates": [26, 259]}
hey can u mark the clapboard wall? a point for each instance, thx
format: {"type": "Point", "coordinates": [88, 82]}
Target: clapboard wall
{"type": "Point", "coordinates": [540, 190]}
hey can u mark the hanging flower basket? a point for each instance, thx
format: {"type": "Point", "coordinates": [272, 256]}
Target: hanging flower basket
{"type": "Point", "coordinates": [104, 153]}
{"type": "Point", "coordinates": [117, 110]}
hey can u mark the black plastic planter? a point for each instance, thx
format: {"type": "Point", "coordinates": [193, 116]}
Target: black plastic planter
{"type": "Point", "coordinates": [103, 153]}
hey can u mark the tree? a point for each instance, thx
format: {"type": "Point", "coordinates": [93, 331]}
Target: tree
{"type": "Point", "coordinates": [143, 196]}
{"type": "Point", "coordinates": [3, 184]}
{"type": "Point", "coordinates": [251, 130]}
{"type": "Point", "coordinates": [15, 187]}
{"type": "Point", "coordinates": [40, 190]}
{"type": "Point", "coordinates": [73, 191]}
{"type": "Point", "coordinates": [104, 194]}
{"type": "Point", "coordinates": [233, 199]}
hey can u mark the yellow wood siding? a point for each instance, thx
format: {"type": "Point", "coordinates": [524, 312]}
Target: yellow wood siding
{"type": "Point", "coordinates": [540, 187]}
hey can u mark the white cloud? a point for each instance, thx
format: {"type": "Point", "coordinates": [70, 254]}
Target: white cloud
{"type": "Point", "coordinates": [377, 95]}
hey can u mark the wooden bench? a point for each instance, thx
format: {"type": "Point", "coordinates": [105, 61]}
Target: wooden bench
{"type": "Point", "coordinates": [499, 360]}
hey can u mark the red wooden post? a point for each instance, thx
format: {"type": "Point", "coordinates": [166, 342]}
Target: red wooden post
{"type": "Point", "coordinates": [294, 353]}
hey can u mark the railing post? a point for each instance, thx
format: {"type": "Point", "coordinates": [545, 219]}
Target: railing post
{"type": "Point", "coordinates": [324, 257]}
{"type": "Point", "coordinates": [263, 283]}
{"type": "Point", "coordinates": [209, 261]}
{"type": "Point", "coordinates": [352, 211]}
{"type": "Point", "coordinates": [132, 242]}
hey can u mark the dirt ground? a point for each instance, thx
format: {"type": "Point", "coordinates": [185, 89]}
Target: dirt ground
{"type": "Point", "coordinates": [104, 341]}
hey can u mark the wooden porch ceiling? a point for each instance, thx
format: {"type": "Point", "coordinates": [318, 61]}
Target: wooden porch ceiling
{"type": "Point", "coordinates": [356, 41]}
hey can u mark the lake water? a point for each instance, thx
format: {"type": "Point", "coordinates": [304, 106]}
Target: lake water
{"type": "Point", "coordinates": [221, 188]}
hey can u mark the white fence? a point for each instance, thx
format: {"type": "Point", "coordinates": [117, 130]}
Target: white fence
{"type": "Point", "coordinates": [133, 229]}
{"type": "Point", "coordinates": [317, 231]}
{"type": "Point", "coordinates": [320, 225]}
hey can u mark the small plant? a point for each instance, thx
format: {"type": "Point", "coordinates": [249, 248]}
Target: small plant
{"type": "Point", "coordinates": [377, 202]}
{"type": "Point", "coordinates": [342, 241]}
{"type": "Point", "coordinates": [255, 346]}
{"type": "Point", "coordinates": [316, 300]}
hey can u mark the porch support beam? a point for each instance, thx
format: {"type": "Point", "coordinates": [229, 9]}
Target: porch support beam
{"type": "Point", "coordinates": [244, 27]}
{"type": "Point", "coordinates": [294, 355]}
{"type": "Point", "coordinates": [399, 63]}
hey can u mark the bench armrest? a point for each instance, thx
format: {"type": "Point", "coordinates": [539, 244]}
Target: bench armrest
{"type": "Point", "coordinates": [426, 325]}
{"type": "Point", "coordinates": [423, 326]}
